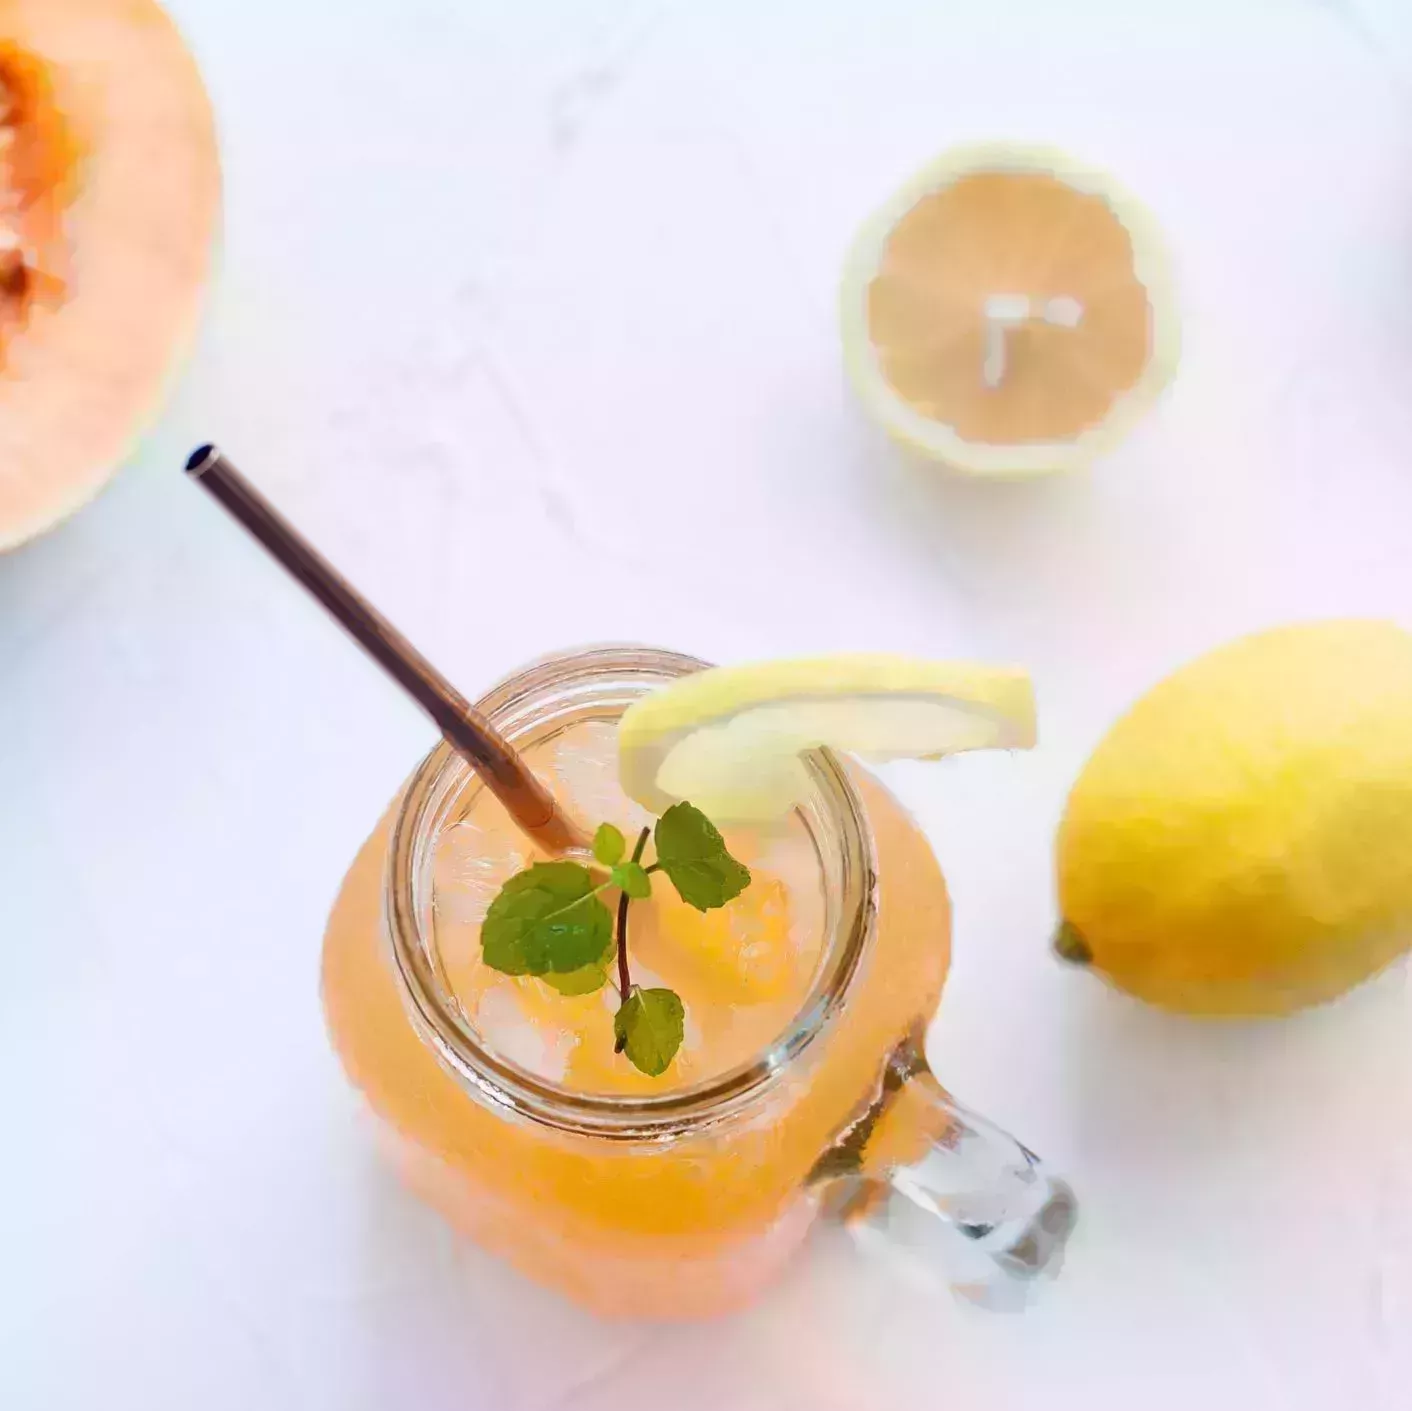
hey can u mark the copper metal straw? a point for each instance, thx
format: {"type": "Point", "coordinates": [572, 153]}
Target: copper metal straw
{"type": "Point", "coordinates": [468, 732]}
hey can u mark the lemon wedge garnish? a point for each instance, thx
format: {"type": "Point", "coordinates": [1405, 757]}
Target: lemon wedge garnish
{"type": "Point", "coordinates": [731, 739]}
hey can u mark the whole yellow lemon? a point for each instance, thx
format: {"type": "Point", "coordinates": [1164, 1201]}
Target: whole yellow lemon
{"type": "Point", "coordinates": [1241, 841]}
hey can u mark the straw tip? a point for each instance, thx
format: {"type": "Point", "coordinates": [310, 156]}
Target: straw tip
{"type": "Point", "coordinates": [200, 460]}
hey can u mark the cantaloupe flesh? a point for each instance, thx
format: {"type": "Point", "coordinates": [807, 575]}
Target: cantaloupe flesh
{"type": "Point", "coordinates": [121, 170]}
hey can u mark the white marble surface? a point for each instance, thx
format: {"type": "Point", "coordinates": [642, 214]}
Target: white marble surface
{"type": "Point", "coordinates": [527, 317]}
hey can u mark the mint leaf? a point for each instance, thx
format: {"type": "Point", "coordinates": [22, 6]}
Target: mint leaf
{"type": "Point", "coordinates": [693, 855]}
{"type": "Point", "coordinates": [649, 1029]}
{"type": "Point", "coordinates": [609, 845]}
{"type": "Point", "coordinates": [582, 981]}
{"type": "Point", "coordinates": [546, 920]}
{"type": "Point", "coordinates": [632, 878]}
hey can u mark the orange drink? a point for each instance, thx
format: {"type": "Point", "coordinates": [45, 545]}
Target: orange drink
{"type": "Point", "coordinates": [800, 1084]}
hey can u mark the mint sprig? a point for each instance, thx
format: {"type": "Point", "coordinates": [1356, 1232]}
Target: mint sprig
{"type": "Point", "coordinates": [609, 845]}
{"type": "Point", "coordinates": [691, 851]}
{"type": "Point", "coordinates": [649, 1029]}
{"type": "Point", "coordinates": [546, 920]}
{"type": "Point", "coordinates": [583, 981]}
{"type": "Point", "coordinates": [632, 878]}
{"type": "Point", "coordinates": [549, 921]}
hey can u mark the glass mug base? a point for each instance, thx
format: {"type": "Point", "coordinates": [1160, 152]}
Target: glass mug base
{"type": "Point", "coordinates": [687, 1204]}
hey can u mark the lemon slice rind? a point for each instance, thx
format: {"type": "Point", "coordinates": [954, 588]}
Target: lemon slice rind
{"type": "Point", "coordinates": [731, 739]}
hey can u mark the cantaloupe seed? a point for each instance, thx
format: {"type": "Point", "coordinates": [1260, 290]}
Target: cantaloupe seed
{"type": "Point", "coordinates": [27, 208]}
{"type": "Point", "coordinates": [13, 272]}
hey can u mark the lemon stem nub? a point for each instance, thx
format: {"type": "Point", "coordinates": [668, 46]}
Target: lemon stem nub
{"type": "Point", "coordinates": [1070, 946]}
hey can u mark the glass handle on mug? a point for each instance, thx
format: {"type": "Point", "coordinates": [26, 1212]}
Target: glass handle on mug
{"type": "Point", "coordinates": [933, 1187]}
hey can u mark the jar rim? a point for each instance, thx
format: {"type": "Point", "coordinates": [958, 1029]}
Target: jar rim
{"type": "Point", "coordinates": [571, 680]}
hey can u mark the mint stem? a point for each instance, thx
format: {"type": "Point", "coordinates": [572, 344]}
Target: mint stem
{"type": "Point", "coordinates": [624, 978]}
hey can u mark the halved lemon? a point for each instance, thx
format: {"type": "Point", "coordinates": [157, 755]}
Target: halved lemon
{"type": "Point", "coordinates": [1009, 311]}
{"type": "Point", "coordinates": [730, 739]}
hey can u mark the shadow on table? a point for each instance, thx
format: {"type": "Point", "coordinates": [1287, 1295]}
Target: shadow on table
{"type": "Point", "coordinates": [987, 536]}
{"type": "Point", "coordinates": [1172, 1099]}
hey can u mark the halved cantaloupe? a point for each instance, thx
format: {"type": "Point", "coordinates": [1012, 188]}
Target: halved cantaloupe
{"type": "Point", "coordinates": [109, 191]}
